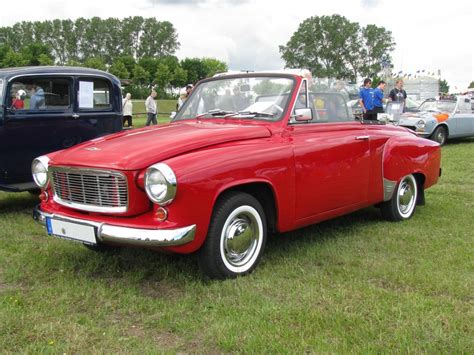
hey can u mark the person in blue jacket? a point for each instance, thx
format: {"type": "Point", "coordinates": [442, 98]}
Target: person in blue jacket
{"type": "Point", "coordinates": [378, 98]}
{"type": "Point", "coordinates": [366, 95]}
{"type": "Point", "coordinates": [36, 97]}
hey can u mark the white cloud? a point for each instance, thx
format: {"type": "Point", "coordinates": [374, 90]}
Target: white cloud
{"type": "Point", "coordinates": [246, 34]}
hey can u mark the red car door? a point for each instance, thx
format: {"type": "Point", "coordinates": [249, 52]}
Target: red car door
{"type": "Point", "coordinates": [332, 165]}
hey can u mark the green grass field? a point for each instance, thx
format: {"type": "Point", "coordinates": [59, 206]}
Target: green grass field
{"type": "Point", "coordinates": [353, 284]}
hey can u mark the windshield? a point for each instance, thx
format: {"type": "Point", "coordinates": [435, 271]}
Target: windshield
{"type": "Point", "coordinates": [438, 106]}
{"type": "Point", "coordinates": [244, 97]}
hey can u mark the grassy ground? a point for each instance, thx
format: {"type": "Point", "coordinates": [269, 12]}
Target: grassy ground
{"type": "Point", "coordinates": [354, 284]}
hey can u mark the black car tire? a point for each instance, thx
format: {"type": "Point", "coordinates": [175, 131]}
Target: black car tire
{"type": "Point", "coordinates": [440, 135]}
{"type": "Point", "coordinates": [236, 237]}
{"type": "Point", "coordinates": [402, 205]}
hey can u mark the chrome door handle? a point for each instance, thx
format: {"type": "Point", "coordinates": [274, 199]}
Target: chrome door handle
{"type": "Point", "coordinates": [362, 138]}
{"type": "Point", "coordinates": [75, 116]}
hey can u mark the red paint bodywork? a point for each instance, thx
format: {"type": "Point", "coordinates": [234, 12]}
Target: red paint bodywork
{"type": "Point", "coordinates": [315, 171]}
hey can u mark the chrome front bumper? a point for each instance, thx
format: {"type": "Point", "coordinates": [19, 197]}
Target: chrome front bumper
{"type": "Point", "coordinates": [125, 235]}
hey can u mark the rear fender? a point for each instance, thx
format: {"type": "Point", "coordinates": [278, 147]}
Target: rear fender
{"type": "Point", "coordinates": [410, 155]}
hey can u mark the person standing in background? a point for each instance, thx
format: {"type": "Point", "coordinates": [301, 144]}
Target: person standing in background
{"type": "Point", "coordinates": [127, 107]}
{"type": "Point", "coordinates": [398, 94]}
{"type": "Point", "coordinates": [366, 94]}
{"type": "Point", "coordinates": [151, 109]}
{"type": "Point", "coordinates": [378, 98]}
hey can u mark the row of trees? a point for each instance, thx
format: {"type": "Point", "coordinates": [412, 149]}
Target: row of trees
{"type": "Point", "coordinates": [333, 46]}
{"type": "Point", "coordinates": [76, 41]}
{"type": "Point", "coordinates": [135, 48]}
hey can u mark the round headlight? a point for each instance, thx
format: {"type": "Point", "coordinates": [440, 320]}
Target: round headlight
{"type": "Point", "coordinates": [39, 169]}
{"type": "Point", "coordinates": [420, 124]}
{"type": "Point", "coordinates": [160, 184]}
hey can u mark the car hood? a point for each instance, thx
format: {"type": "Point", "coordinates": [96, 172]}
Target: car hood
{"type": "Point", "coordinates": [140, 148]}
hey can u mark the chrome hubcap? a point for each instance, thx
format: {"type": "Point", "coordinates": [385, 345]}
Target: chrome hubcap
{"type": "Point", "coordinates": [241, 239]}
{"type": "Point", "coordinates": [407, 196]}
{"type": "Point", "coordinates": [440, 137]}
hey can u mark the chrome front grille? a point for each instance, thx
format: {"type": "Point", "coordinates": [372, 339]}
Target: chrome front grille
{"type": "Point", "coordinates": [90, 189]}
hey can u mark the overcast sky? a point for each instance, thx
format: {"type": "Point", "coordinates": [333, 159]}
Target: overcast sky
{"type": "Point", "coordinates": [246, 34]}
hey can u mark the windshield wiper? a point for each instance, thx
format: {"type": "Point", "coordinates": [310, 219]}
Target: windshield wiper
{"type": "Point", "coordinates": [255, 113]}
{"type": "Point", "coordinates": [216, 112]}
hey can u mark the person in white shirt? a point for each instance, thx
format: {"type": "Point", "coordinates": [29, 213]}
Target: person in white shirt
{"type": "Point", "coordinates": [151, 108]}
{"type": "Point", "coordinates": [127, 107]}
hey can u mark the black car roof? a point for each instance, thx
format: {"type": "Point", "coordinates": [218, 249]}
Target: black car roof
{"type": "Point", "coordinates": [7, 73]}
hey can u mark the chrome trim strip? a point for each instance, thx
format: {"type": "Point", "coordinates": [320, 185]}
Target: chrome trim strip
{"type": "Point", "coordinates": [125, 235]}
{"type": "Point", "coordinates": [388, 188]}
{"type": "Point", "coordinates": [97, 173]}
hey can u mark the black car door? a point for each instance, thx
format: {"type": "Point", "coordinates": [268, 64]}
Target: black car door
{"type": "Point", "coordinates": [31, 128]}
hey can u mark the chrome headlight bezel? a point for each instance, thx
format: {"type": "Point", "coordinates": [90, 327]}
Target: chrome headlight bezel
{"type": "Point", "coordinates": [160, 184]}
{"type": "Point", "coordinates": [421, 124]}
{"type": "Point", "coordinates": [39, 170]}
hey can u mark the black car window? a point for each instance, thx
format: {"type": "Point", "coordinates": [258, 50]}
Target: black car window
{"type": "Point", "coordinates": [94, 94]}
{"type": "Point", "coordinates": [37, 94]}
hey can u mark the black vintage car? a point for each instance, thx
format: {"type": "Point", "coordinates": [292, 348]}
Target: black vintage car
{"type": "Point", "coordinates": [44, 109]}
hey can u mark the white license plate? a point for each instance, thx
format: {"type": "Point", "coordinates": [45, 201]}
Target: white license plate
{"type": "Point", "coordinates": [74, 231]}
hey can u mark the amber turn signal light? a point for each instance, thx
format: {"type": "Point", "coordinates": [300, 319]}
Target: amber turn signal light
{"type": "Point", "coordinates": [44, 196]}
{"type": "Point", "coordinates": [161, 214]}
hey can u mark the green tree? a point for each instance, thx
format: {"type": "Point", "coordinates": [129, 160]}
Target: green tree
{"type": "Point", "coordinates": [377, 43]}
{"type": "Point", "coordinates": [214, 66]}
{"type": "Point", "coordinates": [13, 59]}
{"type": "Point", "coordinates": [443, 86]}
{"type": "Point", "coordinates": [195, 69]}
{"type": "Point", "coordinates": [471, 85]}
{"type": "Point", "coordinates": [150, 65]}
{"type": "Point", "coordinates": [179, 77]}
{"type": "Point", "coordinates": [44, 59]}
{"type": "Point", "coordinates": [163, 76]}
{"type": "Point", "coordinates": [333, 46]}
{"type": "Point", "coordinates": [140, 75]}
{"type": "Point", "coordinates": [129, 63]}
{"type": "Point", "coordinates": [37, 54]}
{"type": "Point", "coordinates": [157, 39]}
{"type": "Point", "coordinates": [95, 63]}
{"type": "Point", "coordinates": [119, 70]}
{"type": "Point", "coordinates": [108, 39]}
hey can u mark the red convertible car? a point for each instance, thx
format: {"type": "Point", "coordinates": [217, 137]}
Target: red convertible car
{"type": "Point", "coordinates": [247, 154]}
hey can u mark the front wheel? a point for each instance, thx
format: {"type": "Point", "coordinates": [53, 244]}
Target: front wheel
{"type": "Point", "coordinates": [236, 237]}
{"type": "Point", "coordinates": [403, 202]}
{"type": "Point", "coordinates": [440, 135]}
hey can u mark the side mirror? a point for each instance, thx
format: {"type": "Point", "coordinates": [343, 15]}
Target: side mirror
{"type": "Point", "coordinates": [303, 114]}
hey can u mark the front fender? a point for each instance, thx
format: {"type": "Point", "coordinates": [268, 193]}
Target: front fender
{"type": "Point", "coordinates": [203, 175]}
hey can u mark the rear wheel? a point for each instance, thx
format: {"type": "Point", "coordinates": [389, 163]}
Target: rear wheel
{"type": "Point", "coordinates": [440, 135]}
{"type": "Point", "coordinates": [236, 237]}
{"type": "Point", "coordinates": [403, 202]}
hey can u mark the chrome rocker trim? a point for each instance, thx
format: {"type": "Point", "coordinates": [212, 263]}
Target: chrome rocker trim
{"type": "Point", "coordinates": [125, 235]}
